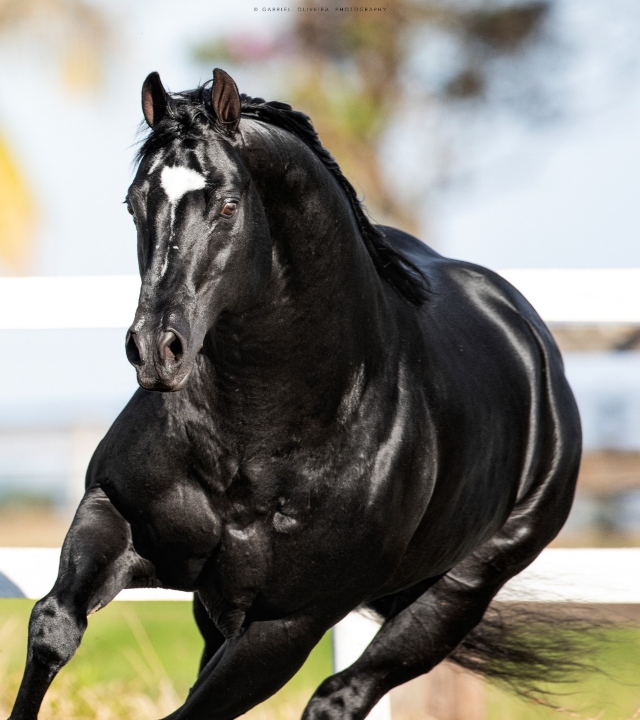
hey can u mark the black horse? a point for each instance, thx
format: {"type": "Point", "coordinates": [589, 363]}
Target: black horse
{"type": "Point", "coordinates": [345, 419]}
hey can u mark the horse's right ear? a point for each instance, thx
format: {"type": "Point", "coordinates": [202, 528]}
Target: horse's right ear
{"type": "Point", "coordinates": [225, 100]}
{"type": "Point", "coordinates": [154, 99]}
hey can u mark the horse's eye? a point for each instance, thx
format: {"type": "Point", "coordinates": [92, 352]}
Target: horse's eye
{"type": "Point", "coordinates": [130, 211]}
{"type": "Point", "coordinates": [229, 208]}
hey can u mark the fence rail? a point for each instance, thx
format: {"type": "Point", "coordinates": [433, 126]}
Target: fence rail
{"type": "Point", "coordinates": [109, 301]}
{"type": "Point", "coordinates": [576, 575]}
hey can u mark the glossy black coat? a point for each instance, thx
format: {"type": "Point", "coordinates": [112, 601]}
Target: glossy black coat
{"type": "Point", "coordinates": [328, 443]}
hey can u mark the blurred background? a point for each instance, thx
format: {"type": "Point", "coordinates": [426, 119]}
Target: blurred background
{"type": "Point", "coordinates": [504, 132]}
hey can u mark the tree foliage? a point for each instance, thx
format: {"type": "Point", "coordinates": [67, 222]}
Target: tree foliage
{"type": "Point", "coordinates": [349, 71]}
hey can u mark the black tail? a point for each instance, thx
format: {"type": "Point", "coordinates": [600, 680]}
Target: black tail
{"type": "Point", "coordinates": [528, 647]}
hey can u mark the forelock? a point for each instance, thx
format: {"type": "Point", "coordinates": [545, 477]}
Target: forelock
{"type": "Point", "coordinates": [189, 118]}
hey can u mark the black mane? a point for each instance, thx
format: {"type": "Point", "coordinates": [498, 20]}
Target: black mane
{"type": "Point", "coordinates": [189, 113]}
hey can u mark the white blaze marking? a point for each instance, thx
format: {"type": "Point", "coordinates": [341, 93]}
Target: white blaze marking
{"type": "Point", "coordinates": [178, 180]}
{"type": "Point", "coordinates": [156, 161]}
{"type": "Point", "coordinates": [165, 265]}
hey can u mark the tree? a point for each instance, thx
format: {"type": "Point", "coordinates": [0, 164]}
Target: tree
{"type": "Point", "coordinates": [348, 70]}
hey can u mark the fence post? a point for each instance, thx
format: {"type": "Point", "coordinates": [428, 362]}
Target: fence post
{"type": "Point", "coordinates": [446, 693]}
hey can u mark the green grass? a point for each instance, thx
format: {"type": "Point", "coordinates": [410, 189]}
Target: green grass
{"type": "Point", "coordinates": [138, 660]}
{"type": "Point", "coordinates": [612, 694]}
{"type": "Point", "coordinates": [144, 650]}
{"type": "Point", "coordinates": [117, 642]}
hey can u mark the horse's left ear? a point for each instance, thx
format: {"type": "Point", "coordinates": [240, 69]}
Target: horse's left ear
{"type": "Point", "coordinates": [154, 99]}
{"type": "Point", "coordinates": [225, 99]}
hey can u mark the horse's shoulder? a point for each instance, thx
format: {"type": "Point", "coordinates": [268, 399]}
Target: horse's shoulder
{"type": "Point", "coordinates": [146, 441]}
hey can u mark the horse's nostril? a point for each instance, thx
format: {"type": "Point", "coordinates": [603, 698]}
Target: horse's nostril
{"type": "Point", "coordinates": [131, 348]}
{"type": "Point", "coordinates": [171, 349]}
{"type": "Point", "coordinates": [176, 348]}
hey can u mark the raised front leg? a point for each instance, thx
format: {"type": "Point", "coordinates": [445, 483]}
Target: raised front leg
{"type": "Point", "coordinates": [97, 561]}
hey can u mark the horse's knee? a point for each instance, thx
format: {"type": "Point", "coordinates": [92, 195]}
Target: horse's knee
{"type": "Point", "coordinates": [55, 632]}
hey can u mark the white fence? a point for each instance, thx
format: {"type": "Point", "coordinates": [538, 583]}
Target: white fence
{"type": "Point", "coordinates": [109, 301]}
{"type": "Point", "coordinates": [577, 575]}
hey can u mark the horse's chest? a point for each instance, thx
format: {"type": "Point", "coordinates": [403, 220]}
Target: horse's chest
{"type": "Point", "coordinates": [178, 531]}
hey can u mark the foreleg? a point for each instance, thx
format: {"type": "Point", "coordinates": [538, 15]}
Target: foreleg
{"type": "Point", "coordinates": [251, 667]}
{"type": "Point", "coordinates": [213, 638]}
{"type": "Point", "coordinates": [97, 561]}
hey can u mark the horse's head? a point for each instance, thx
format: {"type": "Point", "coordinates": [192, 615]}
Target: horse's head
{"type": "Point", "coordinates": [203, 242]}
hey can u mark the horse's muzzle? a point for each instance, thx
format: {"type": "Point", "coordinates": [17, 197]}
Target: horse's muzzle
{"type": "Point", "coordinates": [159, 359]}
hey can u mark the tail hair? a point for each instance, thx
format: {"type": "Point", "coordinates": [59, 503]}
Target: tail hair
{"type": "Point", "coordinates": [528, 647]}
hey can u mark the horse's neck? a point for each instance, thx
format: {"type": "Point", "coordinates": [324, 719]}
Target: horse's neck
{"type": "Point", "coordinates": [320, 262]}
{"type": "Point", "coordinates": [325, 314]}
